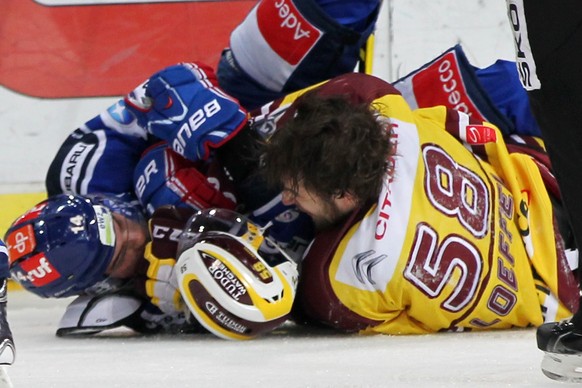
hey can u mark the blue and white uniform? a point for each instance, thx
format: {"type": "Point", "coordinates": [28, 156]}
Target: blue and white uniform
{"type": "Point", "coordinates": [286, 45]}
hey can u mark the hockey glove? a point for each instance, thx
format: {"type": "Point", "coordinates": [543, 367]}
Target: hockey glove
{"type": "Point", "coordinates": [161, 285]}
{"type": "Point", "coordinates": [156, 271]}
{"type": "Point", "coordinates": [163, 177]}
{"type": "Point", "coordinates": [182, 105]}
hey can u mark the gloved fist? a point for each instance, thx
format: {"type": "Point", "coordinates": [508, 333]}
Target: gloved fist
{"type": "Point", "coordinates": [182, 105]}
{"type": "Point", "coordinates": [162, 177]}
{"type": "Point", "coordinates": [161, 285]}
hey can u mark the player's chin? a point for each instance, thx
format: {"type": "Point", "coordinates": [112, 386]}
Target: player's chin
{"type": "Point", "coordinates": [125, 266]}
{"type": "Point", "coordinates": [329, 220]}
{"type": "Point", "coordinates": [322, 223]}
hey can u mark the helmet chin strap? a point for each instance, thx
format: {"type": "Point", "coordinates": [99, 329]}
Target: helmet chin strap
{"type": "Point", "coordinates": [263, 229]}
{"type": "Point", "coordinates": [256, 234]}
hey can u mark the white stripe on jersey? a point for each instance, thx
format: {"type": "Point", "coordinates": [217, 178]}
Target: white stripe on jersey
{"type": "Point", "coordinates": [372, 253]}
{"type": "Point", "coordinates": [88, 175]}
{"type": "Point", "coordinates": [255, 55]}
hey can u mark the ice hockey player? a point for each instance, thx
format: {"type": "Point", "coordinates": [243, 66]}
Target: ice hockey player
{"type": "Point", "coordinates": [456, 234]}
{"type": "Point", "coordinates": [548, 40]}
{"type": "Point", "coordinates": [162, 177]}
{"type": "Point", "coordinates": [327, 37]}
{"type": "Point", "coordinates": [429, 221]}
{"type": "Point", "coordinates": [123, 271]}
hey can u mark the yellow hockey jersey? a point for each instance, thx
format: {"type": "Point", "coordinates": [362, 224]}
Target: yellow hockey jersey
{"type": "Point", "coordinates": [461, 237]}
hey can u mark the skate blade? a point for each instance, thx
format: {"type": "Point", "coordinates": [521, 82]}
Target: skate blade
{"type": "Point", "coordinates": [5, 381]}
{"type": "Point", "coordinates": [563, 367]}
{"type": "Point", "coordinates": [7, 352]}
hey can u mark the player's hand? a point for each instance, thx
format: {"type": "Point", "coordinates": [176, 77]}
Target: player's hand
{"type": "Point", "coordinates": [162, 177]}
{"type": "Point", "coordinates": [161, 285]}
{"type": "Point", "coordinates": [182, 105]}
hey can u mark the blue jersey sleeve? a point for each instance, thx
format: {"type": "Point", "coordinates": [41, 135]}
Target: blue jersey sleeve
{"type": "Point", "coordinates": [501, 82]}
{"type": "Point", "coordinates": [354, 14]}
{"type": "Point", "coordinates": [100, 156]}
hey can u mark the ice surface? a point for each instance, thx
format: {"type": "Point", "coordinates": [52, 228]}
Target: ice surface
{"type": "Point", "coordinates": [291, 357]}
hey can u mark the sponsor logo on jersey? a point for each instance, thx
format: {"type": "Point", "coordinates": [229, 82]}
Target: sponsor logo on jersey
{"type": "Point", "coordinates": [364, 264]}
{"type": "Point", "coordinates": [479, 134]}
{"type": "Point", "coordinates": [73, 164]}
{"type": "Point", "coordinates": [449, 88]}
{"type": "Point", "coordinates": [385, 205]}
{"type": "Point", "coordinates": [283, 26]}
{"type": "Point", "coordinates": [382, 230]}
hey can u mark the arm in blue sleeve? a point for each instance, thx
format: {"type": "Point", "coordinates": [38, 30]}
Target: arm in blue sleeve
{"type": "Point", "coordinates": [100, 156]}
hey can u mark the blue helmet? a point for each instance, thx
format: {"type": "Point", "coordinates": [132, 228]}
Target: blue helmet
{"type": "Point", "coordinates": [64, 244]}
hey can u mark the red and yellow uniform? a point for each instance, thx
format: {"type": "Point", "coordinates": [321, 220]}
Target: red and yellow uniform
{"type": "Point", "coordinates": [461, 237]}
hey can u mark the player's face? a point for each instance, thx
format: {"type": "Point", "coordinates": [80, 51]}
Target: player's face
{"type": "Point", "coordinates": [130, 240]}
{"type": "Point", "coordinates": [324, 212]}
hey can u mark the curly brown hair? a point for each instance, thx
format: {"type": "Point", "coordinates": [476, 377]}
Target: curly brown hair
{"type": "Point", "coordinates": [332, 146]}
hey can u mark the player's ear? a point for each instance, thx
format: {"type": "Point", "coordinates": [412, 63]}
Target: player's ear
{"type": "Point", "coordinates": [346, 195]}
{"type": "Point", "coordinates": [347, 200]}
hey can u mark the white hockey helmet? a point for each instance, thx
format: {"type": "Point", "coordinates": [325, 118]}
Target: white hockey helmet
{"type": "Point", "coordinates": [236, 282]}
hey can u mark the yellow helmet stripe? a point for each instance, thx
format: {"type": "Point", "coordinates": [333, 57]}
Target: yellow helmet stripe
{"type": "Point", "coordinates": [202, 315]}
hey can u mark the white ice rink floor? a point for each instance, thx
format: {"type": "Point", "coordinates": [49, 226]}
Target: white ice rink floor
{"type": "Point", "coordinates": [291, 357]}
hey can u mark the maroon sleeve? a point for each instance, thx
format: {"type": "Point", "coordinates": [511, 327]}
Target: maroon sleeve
{"type": "Point", "coordinates": [316, 302]}
{"type": "Point", "coordinates": [360, 88]}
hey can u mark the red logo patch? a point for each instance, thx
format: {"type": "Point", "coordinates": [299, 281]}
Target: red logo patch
{"type": "Point", "coordinates": [20, 242]}
{"type": "Point", "coordinates": [39, 271]}
{"type": "Point", "coordinates": [443, 79]}
{"type": "Point", "coordinates": [480, 134]}
{"type": "Point", "coordinates": [288, 33]}
{"type": "Point", "coordinates": [31, 214]}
